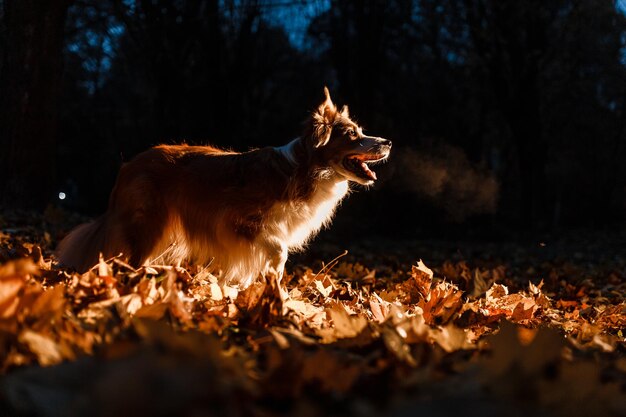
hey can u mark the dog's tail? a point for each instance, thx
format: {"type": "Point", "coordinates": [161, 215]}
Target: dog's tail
{"type": "Point", "coordinates": [81, 248]}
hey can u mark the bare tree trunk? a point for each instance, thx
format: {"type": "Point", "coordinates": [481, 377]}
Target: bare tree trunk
{"type": "Point", "coordinates": [30, 80]}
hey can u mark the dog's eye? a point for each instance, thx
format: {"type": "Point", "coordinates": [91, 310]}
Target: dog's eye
{"type": "Point", "coordinates": [352, 133]}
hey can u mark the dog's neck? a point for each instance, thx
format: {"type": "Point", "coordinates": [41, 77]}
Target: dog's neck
{"type": "Point", "coordinates": [299, 158]}
{"type": "Point", "coordinates": [289, 151]}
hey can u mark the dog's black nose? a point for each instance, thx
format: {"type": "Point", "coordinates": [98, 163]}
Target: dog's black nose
{"type": "Point", "coordinates": [387, 142]}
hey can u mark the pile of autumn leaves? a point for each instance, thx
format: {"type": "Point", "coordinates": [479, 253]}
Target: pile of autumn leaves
{"type": "Point", "coordinates": [49, 315]}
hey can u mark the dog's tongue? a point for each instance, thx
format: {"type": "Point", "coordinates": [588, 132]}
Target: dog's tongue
{"type": "Point", "coordinates": [368, 171]}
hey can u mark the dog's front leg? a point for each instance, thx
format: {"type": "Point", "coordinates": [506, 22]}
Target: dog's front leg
{"type": "Point", "coordinates": [276, 253]}
{"type": "Point", "coordinates": [276, 257]}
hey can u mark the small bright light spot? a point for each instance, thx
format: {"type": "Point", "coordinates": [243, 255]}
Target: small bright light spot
{"type": "Point", "coordinates": [61, 196]}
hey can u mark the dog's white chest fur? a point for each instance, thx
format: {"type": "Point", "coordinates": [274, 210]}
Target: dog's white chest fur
{"type": "Point", "coordinates": [297, 222]}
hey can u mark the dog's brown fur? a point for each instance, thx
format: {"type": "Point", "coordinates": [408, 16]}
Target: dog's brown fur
{"type": "Point", "coordinates": [244, 211]}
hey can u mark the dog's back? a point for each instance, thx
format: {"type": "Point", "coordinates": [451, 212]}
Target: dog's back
{"type": "Point", "coordinates": [181, 202]}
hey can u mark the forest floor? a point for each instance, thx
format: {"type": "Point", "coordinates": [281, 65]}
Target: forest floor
{"type": "Point", "coordinates": [391, 328]}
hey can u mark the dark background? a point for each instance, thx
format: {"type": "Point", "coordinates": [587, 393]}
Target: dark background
{"type": "Point", "coordinates": [508, 117]}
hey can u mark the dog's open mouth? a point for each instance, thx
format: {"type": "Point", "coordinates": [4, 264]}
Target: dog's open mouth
{"type": "Point", "coordinates": [358, 165]}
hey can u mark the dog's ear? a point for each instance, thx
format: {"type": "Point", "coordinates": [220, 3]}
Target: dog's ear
{"type": "Point", "coordinates": [327, 95]}
{"type": "Point", "coordinates": [345, 112]}
{"type": "Point", "coordinates": [323, 118]}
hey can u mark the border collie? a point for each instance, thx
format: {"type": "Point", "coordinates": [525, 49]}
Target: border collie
{"type": "Point", "coordinates": [241, 212]}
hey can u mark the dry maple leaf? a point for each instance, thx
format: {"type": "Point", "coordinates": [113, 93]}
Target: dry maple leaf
{"type": "Point", "coordinates": [10, 286]}
{"type": "Point", "coordinates": [452, 338]}
{"type": "Point", "coordinates": [379, 308]}
{"type": "Point", "coordinates": [47, 351]}
{"type": "Point", "coordinates": [499, 303]}
{"type": "Point", "coordinates": [418, 286]}
{"type": "Point", "coordinates": [442, 302]}
{"type": "Point", "coordinates": [13, 277]}
{"type": "Point", "coordinates": [343, 325]}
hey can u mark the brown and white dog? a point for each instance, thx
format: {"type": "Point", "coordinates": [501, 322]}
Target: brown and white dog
{"type": "Point", "coordinates": [243, 211]}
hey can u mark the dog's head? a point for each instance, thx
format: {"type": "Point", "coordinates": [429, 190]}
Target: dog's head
{"type": "Point", "coordinates": [340, 144]}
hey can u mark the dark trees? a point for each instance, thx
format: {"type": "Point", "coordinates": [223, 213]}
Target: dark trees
{"type": "Point", "coordinates": [30, 78]}
{"type": "Point", "coordinates": [531, 91]}
{"type": "Point", "coordinates": [510, 40]}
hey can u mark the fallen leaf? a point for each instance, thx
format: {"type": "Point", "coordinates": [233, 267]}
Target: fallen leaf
{"type": "Point", "coordinates": [47, 350]}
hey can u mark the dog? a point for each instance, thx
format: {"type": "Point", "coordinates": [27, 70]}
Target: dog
{"type": "Point", "coordinates": [241, 212]}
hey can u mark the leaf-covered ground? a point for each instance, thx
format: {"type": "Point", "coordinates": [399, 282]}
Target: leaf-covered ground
{"type": "Point", "coordinates": [376, 332]}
